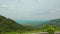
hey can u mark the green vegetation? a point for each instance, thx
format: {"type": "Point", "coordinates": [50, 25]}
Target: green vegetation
{"type": "Point", "coordinates": [9, 26]}
{"type": "Point", "coordinates": [55, 24]}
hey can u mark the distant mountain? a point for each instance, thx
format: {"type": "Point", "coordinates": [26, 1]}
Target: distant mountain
{"type": "Point", "coordinates": [54, 22]}
{"type": "Point", "coordinates": [35, 22]}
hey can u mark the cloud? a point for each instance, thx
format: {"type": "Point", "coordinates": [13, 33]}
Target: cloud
{"type": "Point", "coordinates": [5, 6]}
{"type": "Point", "coordinates": [29, 9]}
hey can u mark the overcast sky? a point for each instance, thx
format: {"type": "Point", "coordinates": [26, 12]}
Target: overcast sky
{"type": "Point", "coordinates": [30, 9]}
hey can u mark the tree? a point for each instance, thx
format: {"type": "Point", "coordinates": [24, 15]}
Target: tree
{"type": "Point", "coordinates": [50, 31]}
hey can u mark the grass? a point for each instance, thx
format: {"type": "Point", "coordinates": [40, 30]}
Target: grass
{"type": "Point", "coordinates": [16, 33]}
{"type": "Point", "coordinates": [30, 32]}
{"type": "Point", "coordinates": [19, 33]}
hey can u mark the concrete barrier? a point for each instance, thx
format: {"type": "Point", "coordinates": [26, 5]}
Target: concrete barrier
{"type": "Point", "coordinates": [47, 33]}
{"type": "Point", "coordinates": [43, 33]}
{"type": "Point", "coordinates": [57, 32]}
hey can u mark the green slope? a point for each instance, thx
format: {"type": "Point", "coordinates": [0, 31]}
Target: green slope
{"type": "Point", "coordinates": [9, 25]}
{"type": "Point", "coordinates": [55, 23]}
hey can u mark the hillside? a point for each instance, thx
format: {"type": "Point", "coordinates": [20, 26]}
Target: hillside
{"type": "Point", "coordinates": [9, 25]}
{"type": "Point", "coordinates": [55, 23]}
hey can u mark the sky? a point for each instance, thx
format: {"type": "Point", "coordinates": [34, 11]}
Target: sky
{"type": "Point", "coordinates": [30, 9]}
